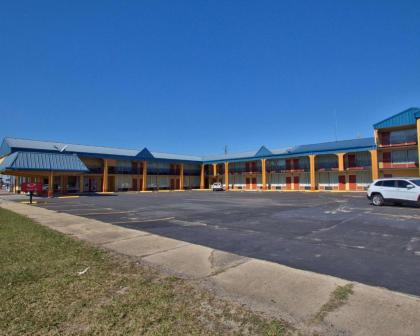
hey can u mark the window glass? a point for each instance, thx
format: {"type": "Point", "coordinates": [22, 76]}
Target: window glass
{"type": "Point", "coordinates": [378, 184]}
{"type": "Point", "coordinates": [402, 184]}
{"type": "Point", "coordinates": [388, 183]}
{"type": "Point", "coordinates": [413, 155]}
{"type": "Point", "coordinates": [416, 182]}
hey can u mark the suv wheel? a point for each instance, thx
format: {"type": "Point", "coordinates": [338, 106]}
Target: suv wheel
{"type": "Point", "coordinates": [377, 200]}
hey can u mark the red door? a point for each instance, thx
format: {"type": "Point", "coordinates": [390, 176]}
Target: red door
{"type": "Point", "coordinates": [288, 182]}
{"type": "Point", "coordinates": [352, 182]}
{"type": "Point", "coordinates": [352, 160]}
{"type": "Point", "coordinates": [296, 182]}
{"type": "Point", "coordinates": [342, 182]}
{"type": "Point", "coordinates": [254, 183]}
{"type": "Point", "coordinates": [296, 164]}
{"type": "Point", "coordinates": [248, 183]}
{"type": "Point", "coordinates": [385, 141]}
{"type": "Point", "coordinates": [386, 159]}
{"type": "Point", "coordinates": [134, 185]}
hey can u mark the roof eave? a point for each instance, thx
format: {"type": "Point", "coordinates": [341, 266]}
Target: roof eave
{"type": "Point", "coordinates": [296, 154]}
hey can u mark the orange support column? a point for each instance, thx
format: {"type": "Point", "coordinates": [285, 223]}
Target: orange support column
{"type": "Point", "coordinates": [144, 178]}
{"type": "Point", "coordinates": [81, 184]}
{"type": "Point", "coordinates": [312, 172]}
{"type": "Point", "coordinates": [374, 161]}
{"type": "Point", "coordinates": [227, 175]}
{"type": "Point", "coordinates": [418, 140]}
{"type": "Point", "coordinates": [181, 177]}
{"type": "Point", "coordinates": [13, 186]}
{"type": "Point", "coordinates": [202, 177]}
{"type": "Point", "coordinates": [340, 161]}
{"type": "Point", "coordinates": [63, 183]}
{"type": "Point", "coordinates": [51, 185]}
{"type": "Point", "coordinates": [16, 185]}
{"type": "Point", "coordinates": [264, 174]}
{"type": "Point", "coordinates": [105, 177]}
{"type": "Point", "coordinates": [139, 185]}
{"type": "Point", "coordinates": [376, 136]}
{"type": "Point", "coordinates": [214, 169]}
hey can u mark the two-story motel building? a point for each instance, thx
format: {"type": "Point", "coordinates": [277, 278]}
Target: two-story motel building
{"type": "Point", "coordinates": [340, 165]}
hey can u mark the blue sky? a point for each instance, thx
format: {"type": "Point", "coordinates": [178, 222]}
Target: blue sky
{"type": "Point", "coordinates": [194, 76]}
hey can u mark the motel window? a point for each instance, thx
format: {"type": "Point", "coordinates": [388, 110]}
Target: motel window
{"type": "Point", "coordinates": [413, 155]}
{"type": "Point", "coordinates": [405, 156]}
{"type": "Point", "coordinates": [404, 136]}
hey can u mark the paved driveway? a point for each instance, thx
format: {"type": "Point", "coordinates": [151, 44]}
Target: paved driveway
{"type": "Point", "coordinates": [339, 234]}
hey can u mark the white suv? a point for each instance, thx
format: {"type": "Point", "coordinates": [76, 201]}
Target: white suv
{"type": "Point", "coordinates": [395, 189]}
{"type": "Point", "coordinates": [217, 186]}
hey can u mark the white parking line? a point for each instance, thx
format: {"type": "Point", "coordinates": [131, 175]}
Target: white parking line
{"type": "Point", "coordinates": [102, 213]}
{"type": "Point", "coordinates": [70, 211]}
{"type": "Point", "coordinates": [395, 216]}
{"type": "Point", "coordinates": [143, 221]}
{"type": "Point", "coordinates": [53, 205]}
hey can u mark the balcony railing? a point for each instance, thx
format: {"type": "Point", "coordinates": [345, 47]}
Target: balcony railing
{"type": "Point", "coordinates": [398, 165]}
{"type": "Point", "coordinates": [399, 143]}
{"type": "Point", "coordinates": [124, 170]}
{"type": "Point", "coordinates": [163, 171]}
{"type": "Point", "coordinates": [327, 167]}
{"type": "Point", "coordinates": [274, 169]}
{"type": "Point", "coordinates": [283, 169]}
{"type": "Point", "coordinates": [358, 165]}
{"type": "Point", "coordinates": [150, 171]}
{"type": "Point", "coordinates": [244, 170]}
{"type": "Point", "coordinates": [192, 172]}
{"type": "Point", "coordinates": [96, 170]}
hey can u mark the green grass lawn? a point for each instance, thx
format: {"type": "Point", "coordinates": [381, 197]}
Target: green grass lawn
{"type": "Point", "coordinates": [41, 292]}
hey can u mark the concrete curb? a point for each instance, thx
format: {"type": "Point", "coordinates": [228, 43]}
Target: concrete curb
{"type": "Point", "coordinates": [276, 290]}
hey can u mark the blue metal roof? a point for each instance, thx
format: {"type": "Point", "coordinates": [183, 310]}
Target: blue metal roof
{"type": "Point", "coordinates": [230, 156]}
{"type": "Point", "coordinates": [404, 118]}
{"type": "Point", "coordinates": [176, 157]}
{"type": "Point", "coordinates": [263, 151]}
{"type": "Point", "coordinates": [329, 147]}
{"type": "Point", "coordinates": [43, 161]}
{"type": "Point", "coordinates": [10, 145]}
{"type": "Point", "coordinates": [353, 145]}
{"type": "Point", "coordinates": [60, 147]}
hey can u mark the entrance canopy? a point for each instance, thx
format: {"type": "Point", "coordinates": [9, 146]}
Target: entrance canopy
{"type": "Point", "coordinates": [38, 161]}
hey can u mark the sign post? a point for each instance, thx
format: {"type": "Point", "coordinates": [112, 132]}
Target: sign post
{"type": "Point", "coordinates": [29, 187]}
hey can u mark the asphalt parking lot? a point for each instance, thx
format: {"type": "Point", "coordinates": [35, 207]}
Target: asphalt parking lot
{"type": "Point", "coordinates": [339, 234]}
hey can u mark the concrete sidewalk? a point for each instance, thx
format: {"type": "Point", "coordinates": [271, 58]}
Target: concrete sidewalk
{"type": "Point", "coordinates": [279, 291]}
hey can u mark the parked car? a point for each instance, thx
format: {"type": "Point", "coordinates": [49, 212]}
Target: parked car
{"type": "Point", "coordinates": [395, 190]}
{"type": "Point", "coordinates": [217, 186]}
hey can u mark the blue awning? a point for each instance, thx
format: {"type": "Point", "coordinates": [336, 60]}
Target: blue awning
{"type": "Point", "coordinates": [43, 161]}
